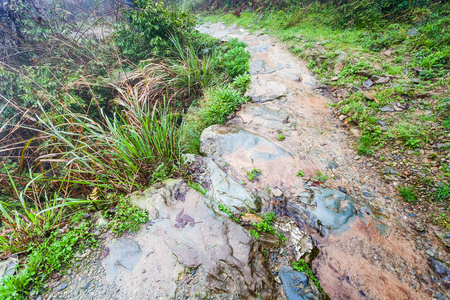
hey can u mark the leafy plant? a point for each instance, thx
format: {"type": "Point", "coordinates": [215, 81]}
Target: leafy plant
{"type": "Point", "coordinates": [266, 226]}
{"type": "Point", "coordinates": [237, 59]}
{"type": "Point", "coordinates": [150, 27]}
{"type": "Point", "coordinates": [128, 151]}
{"type": "Point", "coordinates": [37, 214]}
{"type": "Point", "coordinates": [196, 186]}
{"type": "Point", "coordinates": [321, 177]}
{"type": "Point", "coordinates": [213, 108]}
{"type": "Point", "coordinates": [253, 174]}
{"type": "Point", "coordinates": [300, 173]}
{"type": "Point", "coordinates": [226, 210]}
{"type": "Point", "coordinates": [241, 82]}
{"type": "Point", "coordinates": [47, 256]}
{"type": "Point", "coordinates": [280, 137]}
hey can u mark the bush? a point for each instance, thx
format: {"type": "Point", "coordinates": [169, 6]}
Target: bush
{"type": "Point", "coordinates": [237, 59]}
{"type": "Point", "coordinates": [150, 27]}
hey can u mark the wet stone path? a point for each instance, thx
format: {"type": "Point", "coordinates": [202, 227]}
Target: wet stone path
{"type": "Point", "coordinates": [363, 243]}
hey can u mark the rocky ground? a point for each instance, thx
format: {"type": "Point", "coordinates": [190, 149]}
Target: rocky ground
{"type": "Point", "coordinates": [331, 207]}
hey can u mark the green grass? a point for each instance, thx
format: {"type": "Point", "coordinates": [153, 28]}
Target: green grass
{"type": "Point", "coordinates": [408, 193]}
{"type": "Point", "coordinates": [442, 193]}
{"type": "Point", "coordinates": [52, 254]}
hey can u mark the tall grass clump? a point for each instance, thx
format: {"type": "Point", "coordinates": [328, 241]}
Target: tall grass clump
{"type": "Point", "coordinates": [119, 153]}
{"type": "Point", "coordinates": [195, 71]}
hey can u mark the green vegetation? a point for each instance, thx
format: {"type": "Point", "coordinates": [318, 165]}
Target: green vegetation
{"type": "Point", "coordinates": [52, 254]}
{"type": "Point", "coordinates": [196, 186]}
{"type": "Point", "coordinates": [302, 266]}
{"type": "Point", "coordinates": [407, 193]}
{"type": "Point", "coordinates": [300, 173]}
{"type": "Point", "coordinates": [87, 120]}
{"type": "Point", "coordinates": [266, 226]}
{"type": "Point", "coordinates": [226, 210]}
{"type": "Point", "coordinates": [321, 177]}
{"type": "Point", "coordinates": [280, 137]}
{"type": "Point", "coordinates": [253, 174]}
{"type": "Point", "coordinates": [442, 192]}
{"type": "Point", "coordinates": [124, 217]}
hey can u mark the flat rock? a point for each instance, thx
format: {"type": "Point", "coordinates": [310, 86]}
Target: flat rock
{"type": "Point", "coordinates": [264, 88]}
{"type": "Point", "coordinates": [228, 192]}
{"type": "Point", "coordinates": [122, 253]}
{"type": "Point", "coordinates": [325, 209]}
{"type": "Point", "coordinates": [242, 151]}
{"type": "Point", "coordinates": [221, 251]}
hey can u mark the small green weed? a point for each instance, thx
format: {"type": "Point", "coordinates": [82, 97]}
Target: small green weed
{"type": "Point", "coordinates": [226, 210]}
{"type": "Point", "coordinates": [302, 266]}
{"type": "Point", "coordinates": [125, 217]}
{"type": "Point", "coordinates": [300, 173]}
{"type": "Point", "coordinates": [441, 219]}
{"type": "Point", "coordinates": [446, 123]}
{"type": "Point", "coordinates": [408, 193]}
{"type": "Point", "coordinates": [321, 177]}
{"type": "Point", "coordinates": [253, 174]}
{"type": "Point", "coordinates": [254, 233]}
{"type": "Point", "coordinates": [196, 186]}
{"type": "Point", "coordinates": [266, 226]}
{"type": "Point", "coordinates": [280, 137]}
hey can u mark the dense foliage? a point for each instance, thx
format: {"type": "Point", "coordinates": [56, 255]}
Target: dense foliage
{"type": "Point", "coordinates": [93, 113]}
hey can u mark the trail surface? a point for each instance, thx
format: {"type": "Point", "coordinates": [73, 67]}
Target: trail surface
{"type": "Point", "coordinates": [367, 245]}
{"type": "Point", "coordinates": [381, 254]}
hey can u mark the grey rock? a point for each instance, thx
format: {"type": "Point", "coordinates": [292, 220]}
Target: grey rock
{"type": "Point", "coordinates": [228, 192]}
{"type": "Point", "coordinates": [8, 267]}
{"type": "Point", "coordinates": [62, 287]}
{"type": "Point", "coordinates": [413, 32]}
{"type": "Point", "coordinates": [415, 80]}
{"type": "Point", "coordinates": [277, 192]}
{"type": "Point", "coordinates": [439, 267]}
{"type": "Point", "coordinates": [259, 48]}
{"type": "Point", "coordinates": [297, 285]}
{"type": "Point", "coordinates": [388, 170]}
{"type": "Point", "coordinates": [375, 77]}
{"type": "Point", "coordinates": [124, 253]}
{"type": "Point", "coordinates": [367, 83]}
{"type": "Point", "coordinates": [332, 165]}
{"type": "Point", "coordinates": [387, 108]}
{"type": "Point", "coordinates": [382, 80]}
{"type": "Point", "coordinates": [220, 251]}
{"type": "Point", "coordinates": [327, 210]}
{"type": "Point", "coordinates": [100, 221]}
